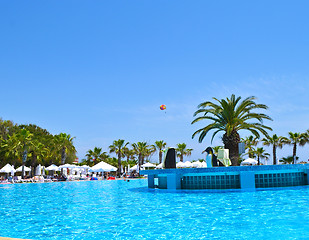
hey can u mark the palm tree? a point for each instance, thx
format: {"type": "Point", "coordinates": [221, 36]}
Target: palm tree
{"type": "Point", "coordinates": [112, 161]}
{"type": "Point", "coordinates": [52, 156]}
{"type": "Point", "coordinates": [96, 155]}
{"type": "Point", "coordinates": [151, 149]}
{"type": "Point", "coordinates": [260, 153]}
{"type": "Point", "coordinates": [250, 143]}
{"type": "Point", "coordinates": [287, 160]}
{"type": "Point", "coordinates": [295, 139]}
{"type": "Point", "coordinates": [38, 152]}
{"type": "Point", "coordinates": [17, 145]}
{"type": "Point", "coordinates": [229, 116]}
{"type": "Point", "coordinates": [50, 150]}
{"type": "Point", "coordinates": [276, 142]}
{"type": "Point", "coordinates": [188, 152]}
{"type": "Point", "coordinates": [12, 149]}
{"type": "Point", "coordinates": [141, 150]}
{"type": "Point", "coordinates": [64, 143]}
{"type": "Point", "coordinates": [117, 148]}
{"type": "Point", "coordinates": [160, 145]}
{"type": "Point", "coordinates": [182, 150]}
{"type": "Point", "coordinates": [129, 153]}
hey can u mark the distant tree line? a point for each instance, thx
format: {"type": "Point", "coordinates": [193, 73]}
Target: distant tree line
{"type": "Point", "coordinates": [131, 154]}
{"type": "Point", "coordinates": [30, 145]}
{"type": "Point", "coordinates": [293, 139]}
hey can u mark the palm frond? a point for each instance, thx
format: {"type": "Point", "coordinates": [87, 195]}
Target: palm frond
{"type": "Point", "coordinates": [231, 115]}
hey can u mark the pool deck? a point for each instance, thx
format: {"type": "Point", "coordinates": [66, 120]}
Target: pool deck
{"type": "Point", "coordinates": [6, 238]}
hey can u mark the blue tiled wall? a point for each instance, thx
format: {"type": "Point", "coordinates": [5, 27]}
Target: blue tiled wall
{"type": "Point", "coordinates": [162, 182]}
{"type": "Point", "coordinates": [233, 181]}
{"type": "Point", "coordinates": [280, 179]}
{"type": "Point", "coordinates": [229, 177]}
{"type": "Point", "coordinates": [210, 182]}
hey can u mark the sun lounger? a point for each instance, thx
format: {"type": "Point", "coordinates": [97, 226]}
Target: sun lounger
{"type": "Point", "coordinates": [48, 179]}
{"type": "Point", "coordinates": [4, 181]}
{"type": "Point", "coordinates": [38, 179]}
{"type": "Point", "coordinates": [29, 180]}
{"type": "Point", "coordinates": [19, 179]}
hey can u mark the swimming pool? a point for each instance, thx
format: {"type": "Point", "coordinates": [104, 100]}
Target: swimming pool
{"type": "Point", "coordinates": [129, 210]}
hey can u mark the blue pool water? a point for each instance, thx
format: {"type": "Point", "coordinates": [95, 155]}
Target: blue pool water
{"type": "Point", "coordinates": [128, 210]}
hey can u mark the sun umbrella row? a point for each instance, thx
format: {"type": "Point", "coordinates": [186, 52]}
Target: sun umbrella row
{"type": "Point", "coordinates": [100, 167]}
{"type": "Point", "coordinates": [187, 164]}
{"type": "Point", "coordinates": [105, 167]}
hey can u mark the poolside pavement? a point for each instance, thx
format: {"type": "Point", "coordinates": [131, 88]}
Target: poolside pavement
{"type": "Point", "coordinates": [6, 238]}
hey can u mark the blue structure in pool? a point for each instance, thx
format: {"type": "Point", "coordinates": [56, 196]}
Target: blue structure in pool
{"type": "Point", "coordinates": [242, 177]}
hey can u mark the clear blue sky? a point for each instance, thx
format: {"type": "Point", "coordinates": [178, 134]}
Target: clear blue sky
{"type": "Point", "coordinates": [99, 70]}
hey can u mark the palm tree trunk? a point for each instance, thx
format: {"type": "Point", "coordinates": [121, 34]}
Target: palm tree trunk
{"type": "Point", "coordinates": [139, 162]}
{"type": "Point", "coordinates": [160, 156]}
{"type": "Point", "coordinates": [234, 155]}
{"type": "Point", "coordinates": [33, 162]}
{"type": "Point", "coordinates": [294, 152]}
{"type": "Point", "coordinates": [23, 171]}
{"type": "Point", "coordinates": [63, 155]}
{"type": "Point", "coordinates": [181, 157]}
{"type": "Point", "coordinates": [231, 143]}
{"type": "Point", "coordinates": [24, 159]}
{"type": "Point", "coordinates": [233, 152]}
{"type": "Point", "coordinates": [274, 155]}
{"type": "Point", "coordinates": [119, 164]}
{"type": "Point", "coordinates": [258, 160]}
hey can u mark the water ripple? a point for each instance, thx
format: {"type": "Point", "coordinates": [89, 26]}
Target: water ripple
{"type": "Point", "coordinates": [129, 210]}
